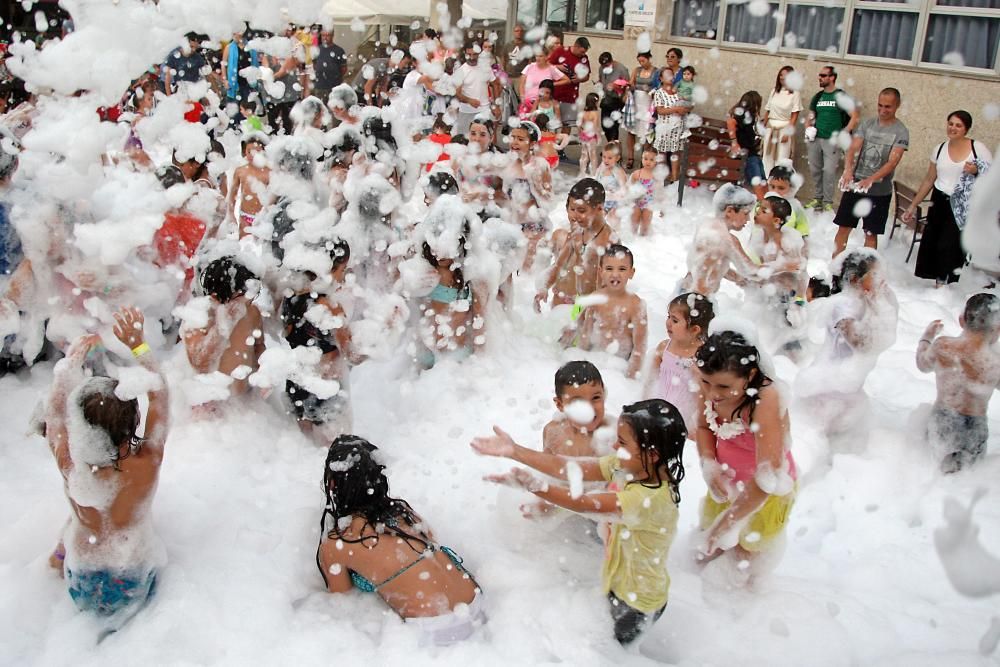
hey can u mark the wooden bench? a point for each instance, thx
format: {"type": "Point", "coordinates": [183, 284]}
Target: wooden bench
{"type": "Point", "coordinates": [706, 157]}
{"type": "Point", "coordinates": [904, 197]}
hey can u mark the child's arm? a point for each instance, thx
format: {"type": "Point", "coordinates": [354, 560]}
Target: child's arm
{"type": "Point", "coordinates": [653, 370]}
{"type": "Point", "coordinates": [925, 348]}
{"type": "Point", "coordinates": [129, 323]}
{"type": "Point", "coordinates": [479, 300]}
{"type": "Point", "coordinates": [600, 503]}
{"type": "Point", "coordinates": [503, 446]}
{"type": "Point", "coordinates": [553, 275]}
{"type": "Point", "coordinates": [710, 469]}
{"type": "Point", "coordinates": [241, 350]}
{"type": "Point", "coordinates": [640, 328]}
{"type": "Point", "coordinates": [68, 374]}
{"type": "Point", "coordinates": [231, 195]}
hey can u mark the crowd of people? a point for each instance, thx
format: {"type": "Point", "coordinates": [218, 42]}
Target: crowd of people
{"type": "Point", "coordinates": [310, 223]}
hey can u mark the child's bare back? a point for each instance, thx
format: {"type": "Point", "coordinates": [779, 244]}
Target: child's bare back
{"type": "Point", "coordinates": [966, 374]}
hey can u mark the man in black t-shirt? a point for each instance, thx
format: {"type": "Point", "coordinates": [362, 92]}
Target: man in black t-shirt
{"type": "Point", "coordinates": [329, 65]}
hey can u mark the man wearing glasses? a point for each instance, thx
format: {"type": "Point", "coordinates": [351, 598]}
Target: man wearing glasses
{"type": "Point", "coordinates": [831, 113]}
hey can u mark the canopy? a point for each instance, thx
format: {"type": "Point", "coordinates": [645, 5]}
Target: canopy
{"type": "Point", "coordinates": [384, 12]}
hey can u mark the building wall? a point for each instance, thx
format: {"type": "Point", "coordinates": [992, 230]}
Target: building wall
{"type": "Point", "coordinates": [927, 97]}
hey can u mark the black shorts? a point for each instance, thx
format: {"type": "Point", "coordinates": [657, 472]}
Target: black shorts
{"type": "Point", "coordinates": [874, 222]}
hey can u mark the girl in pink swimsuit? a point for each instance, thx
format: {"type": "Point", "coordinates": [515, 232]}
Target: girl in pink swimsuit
{"type": "Point", "coordinates": [743, 440]}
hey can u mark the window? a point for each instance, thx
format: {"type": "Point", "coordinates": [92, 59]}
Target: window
{"type": "Point", "coordinates": [561, 14]}
{"type": "Point", "coordinates": [606, 14]}
{"type": "Point", "coordinates": [961, 35]}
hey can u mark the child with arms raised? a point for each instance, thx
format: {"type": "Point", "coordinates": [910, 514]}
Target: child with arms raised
{"type": "Point", "coordinates": [616, 320]}
{"type": "Point", "coordinates": [640, 504]}
{"type": "Point", "coordinates": [967, 371]}
{"type": "Point", "coordinates": [671, 376]}
{"type": "Point", "coordinates": [109, 554]}
{"type": "Point", "coordinates": [744, 444]}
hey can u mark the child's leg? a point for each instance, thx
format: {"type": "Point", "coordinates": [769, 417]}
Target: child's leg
{"type": "Point", "coordinates": [636, 219]}
{"type": "Point", "coordinates": [629, 623]}
{"type": "Point", "coordinates": [584, 159]}
{"type": "Point", "coordinates": [646, 221]}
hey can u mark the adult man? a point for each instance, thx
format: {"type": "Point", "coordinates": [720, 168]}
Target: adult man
{"type": "Point", "coordinates": [877, 148]}
{"type": "Point", "coordinates": [367, 79]}
{"type": "Point", "coordinates": [516, 56]}
{"type": "Point", "coordinates": [829, 120]}
{"type": "Point", "coordinates": [573, 62]}
{"type": "Point", "coordinates": [184, 64]}
{"type": "Point", "coordinates": [329, 65]}
{"type": "Point", "coordinates": [472, 89]}
{"type": "Point", "coordinates": [613, 100]}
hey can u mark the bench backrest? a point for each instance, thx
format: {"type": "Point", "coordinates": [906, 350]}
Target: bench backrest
{"type": "Point", "coordinates": [904, 195]}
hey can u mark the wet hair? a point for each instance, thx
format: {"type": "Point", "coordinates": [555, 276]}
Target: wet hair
{"type": "Point", "coordinates": [693, 71]}
{"type": "Point", "coordinates": [103, 410]}
{"type": "Point", "coordinates": [781, 173]}
{"type": "Point", "coordinates": [577, 374]}
{"type": "Point", "coordinates": [856, 265]}
{"type": "Point", "coordinates": [225, 279]}
{"type": "Point", "coordinates": [169, 176]}
{"type": "Point", "coordinates": [441, 183]}
{"type": "Point", "coordinates": [677, 52]}
{"type": "Point", "coordinates": [340, 251]}
{"type": "Point", "coordinates": [590, 104]}
{"type": "Point", "coordinates": [375, 128]}
{"type": "Point", "coordinates": [588, 190]}
{"type": "Point", "coordinates": [534, 132]}
{"type": "Point", "coordinates": [781, 208]}
{"type": "Point", "coordinates": [818, 288]}
{"type": "Point", "coordinates": [441, 124]}
{"type": "Point", "coordinates": [892, 91]}
{"type": "Point", "coordinates": [777, 79]}
{"type": "Point", "coordinates": [697, 308]}
{"type": "Point", "coordinates": [749, 105]}
{"type": "Point", "coordinates": [456, 266]}
{"type": "Point", "coordinates": [658, 428]}
{"type": "Point", "coordinates": [617, 250]}
{"type": "Point", "coordinates": [542, 121]}
{"type": "Point", "coordinates": [613, 147]}
{"type": "Point", "coordinates": [548, 85]}
{"type": "Point", "coordinates": [963, 116]}
{"type": "Point", "coordinates": [356, 486]}
{"type": "Point", "coordinates": [982, 313]}
{"type": "Point", "coordinates": [730, 351]}
{"type": "Point", "coordinates": [255, 138]}
{"type": "Point", "coordinates": [460, 139]}
{"type": "Point", "coordinates": [485, 122]}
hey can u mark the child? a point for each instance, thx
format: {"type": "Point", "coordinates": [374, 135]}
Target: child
{"type": "Point", "coordinates": [312, 319]}
{"type": "Point", "coordinates": [590, 131]}
{"type": "Point", "coordinates": [545, 105]}
{"type": "Point", "coordinates": [743, 441]}
{"type": "Point", "coordinates": [614, 179]}
{"type": "Point", "coordinates": [617, 323]}
{"type": "Point", "coordinates": [685, 87]}
{"type": "Point", "coordinates": [967, 371]}
{"type": "Point", "coordinates": [579, 398]}
{"type": "Point", "coordinates": [642, 183]}
{"type": "Point", "coordinates": [551, 140]}
{"type": "Point", "coordinates": [440, 135]}
{"type": "Point", "coordinates": [671, 376]}
{"type": "Point", "coordinates": [249, 184]}
{"type": "Point", "coordinates": [528, 185]}
{"type": "Point", "coordinates": [578, 252]}
{"type": "Point", "coordinates": [715, 251]}
{"type": "Point", "coordinates": [251, 122]}
{"type": "Point", "coordinates": [745, 139]}
{"type": "Point", "coordinates": [109, 553]}
{"type": "Point", "coordinates": [780, 182]}
{"type": "Point", "coordinates": [640, 504]}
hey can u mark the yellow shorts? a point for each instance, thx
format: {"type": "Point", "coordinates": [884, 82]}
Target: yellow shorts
{"type": "Point", "coordinates": [764, 525]}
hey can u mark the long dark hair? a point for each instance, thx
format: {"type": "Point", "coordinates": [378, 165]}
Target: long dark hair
{"type": "Point", "coordinates": [730, 351]}
{"type": "Point", "coordinates": [355, 486]}
{"type": "Point", "coordinates": [456, 269]}
{"type": "Point", "coordinates": [750, 103]}
{"type": "Point", "coordinates": [777, 79]}
{"type": "Point", "coordinates": [658, 427]}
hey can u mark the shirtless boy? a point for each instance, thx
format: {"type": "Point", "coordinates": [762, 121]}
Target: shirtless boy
{"type": "Point", "coordinates": [109, 553]}
{"type": "Point", "coordinates": [580, 394]}
{"type": "Point", "coordinates": [618, 322]}
{"type": "Point", "coordinates": [967, 371]}
{"type": "Point", "coordinates": [715, 253]}
{"type": "Point", "coordinates": [250, 184]}
{"type": "Point", "coordinates": [578, 251]}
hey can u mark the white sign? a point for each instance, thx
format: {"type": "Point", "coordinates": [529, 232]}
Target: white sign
{"type": "Point", "coordinates": [640, 13]}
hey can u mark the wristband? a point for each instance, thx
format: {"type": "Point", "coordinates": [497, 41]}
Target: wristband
{"type": "Point", "coordinates": [925, 340]}
{"type": "Point", "coordinates": [140, 349]}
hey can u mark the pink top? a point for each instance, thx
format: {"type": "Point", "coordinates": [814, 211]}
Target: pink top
{"type": "Point", "coordinates": [534, 75]}
{"type": "Point", "coordinates": [740, 454]}
{"type": "Point", "coordinates": [675, 385]}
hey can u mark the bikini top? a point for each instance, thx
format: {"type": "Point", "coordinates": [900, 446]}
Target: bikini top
{"type": "Point", "coordinates": [368, 586]}
{"type": "Point", "coordinates": [302, 332]}
{"type": "Point", "coordinates": [444, 294]}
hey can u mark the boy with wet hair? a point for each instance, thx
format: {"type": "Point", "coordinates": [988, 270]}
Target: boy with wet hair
{"type": "Point", "coordinates": [249, 184]}
{"type": "Point", "coordinates": [615, 320]}
{"type": "Point", "coordinates": [967, 371]}
{"type": "Point", "coordinates": [580, 396]}
{"type": "Point", "coordinates": [780, 182]}
{"type": "Point", "coordinates": [715, 253]}
{"type": "Point", "coordinates": [578, 250]}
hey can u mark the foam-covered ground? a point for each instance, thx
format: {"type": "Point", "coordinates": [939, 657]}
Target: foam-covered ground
{"type": "Point", "coordinates": [239, 503]}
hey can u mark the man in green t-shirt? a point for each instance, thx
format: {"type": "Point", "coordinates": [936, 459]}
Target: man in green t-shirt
{"type": "Point", "coordinates": [827, 119]}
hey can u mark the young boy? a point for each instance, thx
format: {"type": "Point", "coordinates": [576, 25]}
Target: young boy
{"type": "Point", "coordinates": [780, 182]}
{"type": "Point", "coordinates": [250, 184]}
{"type": "Point", "coordinates": [618, 322]}
{"type": "Point", "coordinates": [579, 393]}
{"type": "Point", "coordinates": [967, 371]}
{"type": "Point", "coordinates": [109, 553]}
{"type": "Point", "coordinates": [579, 250]}
{"type": "Point", "coordinates": [715, 253]}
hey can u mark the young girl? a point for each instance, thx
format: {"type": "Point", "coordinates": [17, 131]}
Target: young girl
{"type": "Point", "coordinates": [545, 105]}
{"type": "Point", "coordinates": [745, 137]}
{"type": "Point", "coordinates": [614, 179]}
{"type": "Point", "coordinates": [642, 183]}
{"type": "Point", "coordinates": [671, 377]}
{"type": "Point", "coordinates": [640, 504]}
{"type": "Point", "coordinates": [590, 130]}
{"type": "Point", "coordinates": [528, 184]}
{"type": "Point", "coordinates": [390, 549]}
{"type": "Point", "coordinates": [743, 441]}
{"type": "Point", "coordinates": [670, 131]}
{"type": "Point", "coordinates": [551, 140]}
{"type": "Point", "coordinates": [477, 169]}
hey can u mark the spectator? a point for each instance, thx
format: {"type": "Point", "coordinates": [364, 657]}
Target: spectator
{"type": "Point", "coordinates": [674, 57]}
{"type": "Point", "coordinates": [472, 88]}
{"type": "Point", "coordinates": [516, 56]}
{"type": "Point", "coordinates": [533, 75]}
{"type": "Point", "coordinates": [613, 100]}
{"type": "Point", "coordinates": [185, 64]}
{"type": "Point", "coordinates": [290, 73]}
{"type": "Point", "coordinates": [236, 58]}
{"type": "Point", "coordinates": [742, 127]}
{"type": "Point", "coordinates": [329, 65]}
{"type": "Point", "coordinates": [877, 148]}
{"type": "Point", "coordinates": [828, 119]}
{"type": "Point", "coordinates": [572, 62]}
{"type": "Point", "coordinates": [780, 115]}
{"type": "Point", "coordinates": [366, 80]}
{"type": "Point", "coordinates": [636, 115]}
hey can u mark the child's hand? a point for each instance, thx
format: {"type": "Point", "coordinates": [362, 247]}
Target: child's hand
{"type": "Point", "coordinates": [128, 327]}
{"type": "Point", "coordinates": [501, 444]}
{"type": "Point", "coordinates": [540, 298]}
{"type": "Point", "coordinates": [933, 329]}
{"type": "Point", "coordinates": [81, 347]}
{"type": "Point", "coordinates": [568, 337]}
{"type": "Point", "coordinates": [519, 478]}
